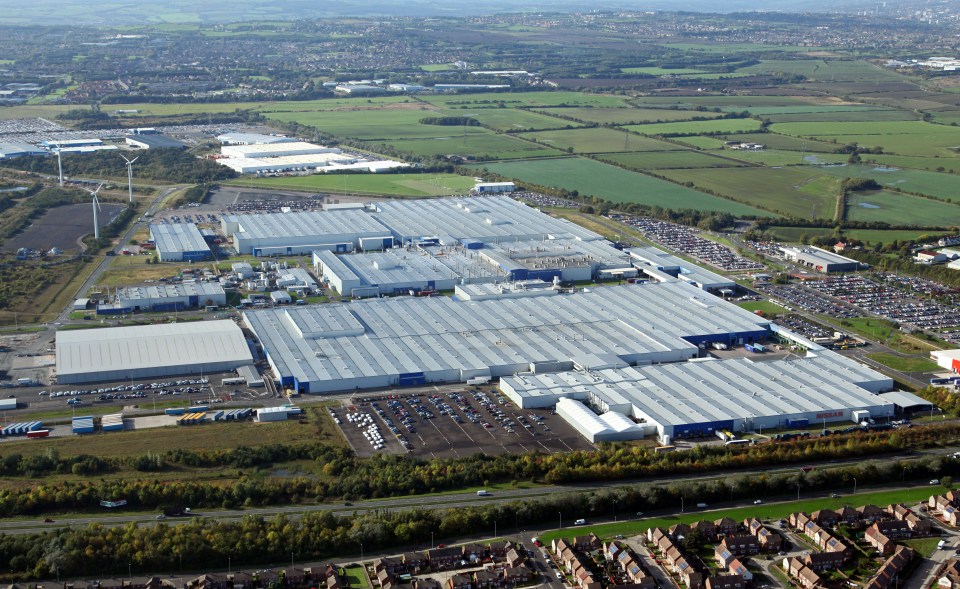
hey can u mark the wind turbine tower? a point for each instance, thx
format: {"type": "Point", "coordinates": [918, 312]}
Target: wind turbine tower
{"type": "Point", "coordinates": [96, 207]}
{"type": "Point", "coordinates": [130, 174]}
{"type": "Point", "coordinates": [60, 166]}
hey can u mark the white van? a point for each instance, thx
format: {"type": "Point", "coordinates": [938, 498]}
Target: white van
{"type": "Point", "coordinates": [941, 544]}
{"type": "Point", "coordinates": [483, 493]}
{"type": "Point", "coordinates": [580, 522]}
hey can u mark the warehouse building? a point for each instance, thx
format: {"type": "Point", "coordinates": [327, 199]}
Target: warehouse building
{"type": "Point", "coordinates": [445, 221]}
{"type": "Point", "coordinates": [179, 242]}
{"type": "Point", "coordinates": [820, 260]}
{"type": "Point", "coordinates": [493, 187]}
{"type": "Point", "coordinates": [947, 359]}
{"type": "Point", "coordinates": [153, 142]}
{"type": "Point", "coordinates": [252, 139]}
{"type": "Point", "coordinates": [265, 150]}
{"type": "Point", "coordinates": [287, 234]}
{"type": "Point", "coordinates": [662, 266]}
{"type": "Point", "coordinates": [152, 351]}
{"type": "Point", "coordinates": [401, 270]}
{"type": "Point", "coordinates": [695, 399]}
{"type": "Point", "coordinates": [377, 343]}
{"type": "Point", "coordinates": [10, 149]}
{"type": "Point", "coordinates": [287, 163]}
{"type": "Point", "coordinates": [165, 298]}
{"type": "Point", "coordinates": [571, 260]}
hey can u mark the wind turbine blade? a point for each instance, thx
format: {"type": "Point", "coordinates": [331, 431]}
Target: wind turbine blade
{"type": "Point", "coordinates": [134, 159]}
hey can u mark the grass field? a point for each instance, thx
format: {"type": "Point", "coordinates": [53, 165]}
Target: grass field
{"type": "Point", "coordinates": [875, 329]}
{"type": "Point", "coordinates": [904, 364]}
{"type": "Point", "coordinates": [385, 184]}
{"type": "Point", "coordinates": [597, 140]}
{"type": "Point", "coordinates": [659, 71]}
{"type": "Point", "coordinates": [698, 127]}
{"type": "Point", "coordinates": [794, 191]}
{"type": "Point", "coordinates": [372, 124]}
{"type": "Point", "coordinates": [665, 160]}
{"type": "Point", "coordinates": [510, 119]}
{"type": "Point", "coordinates": [483, 144]}
{"type": "Point", "coordinates": [615, 184]}
{"type": "Point", "coordinates": [624, 116]}
{"type": "Point", "coordinates": [724, 101]}
{"type": "Point", "coordinates": [125, 270]}
{"type": "Point", "coordinates": [701, 142]}
{"type": "Point", "coordinates": [846, 116]}
{"type": "Point", "coordinates": [923, 182]}
{"type": "Point", "coordinates": [916, 138]}
{"type": "Point", "coordinates": [493, 99]}
{"type": "Point", "coordinates": [778, 157]}
{"type": "Point", "coordinates": [785, 142]}
{"type": "Point", "coordinates": [884, 205]}
{"type": "Point", "coordinates": [819, 69]}
{"type": "Point", "coordinates": [870, 236]}
{"type": "Point", "coordinates": [917, 163]}
{"type": "Point", "coordinates": [765, 511]}
{"type": "Point", "coordinates": [766, 307]}
{"type": "Point", "coordinates": [793, 234]}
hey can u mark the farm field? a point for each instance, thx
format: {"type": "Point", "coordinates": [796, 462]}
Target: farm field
{"type": "Point", "coordinates": [916, 138]}
{"type": "Point", "coordinates": [659, 71]}
{"type": "Point", "coordinates": [735, 103]}
{"type": "Point", "coordinates": [372, 124]}
{"type": "Point", "coordinates": [701, 142]}
{"type": "Point", "coordinates": [781, 190]}
{"type": "Point", "coordinates": [597, 140]}
{"type": "Point", "coordinates": [775, 141]}
{"type": "Point", "coordinates": [509, 119]}
{"type": "Point", "coordinates": [385, 184]}
{"type": "Point", "coordinates": [794, 234]}
{"type": "Point", "coordinates": [776, 157]}
{"type": "Point", "coordinates": [624, 116]}
{"type": "Point", "coordinates": [513, 99]}
{"type": "Point", "coordinates": [819, 69]}
{"type": "Point", "coordinates": [917, 163]}
{"type": "Point", "coordinates": [615, 184]}
{"type": "Point", "coordinates": [814, 109]}
{"type": "Point", "coordinates": [861, 115]}
{"type": "Point", "coordinates": [657, 160]}
{"type": "Point", "coordinates": [483, 144]}
{"type": "Point", "coordinates": [697, 127]}
{"type": "Point", "coordinates": [884, 205]}
{"type": "Point", "coordinates": [931, 183]}
{"type": "Point", "coordinates": [870, 236]}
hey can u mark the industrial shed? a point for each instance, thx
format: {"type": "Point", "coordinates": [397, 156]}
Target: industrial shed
{"type": "Point", "coordinates": [694, 399]}
{"type": "Point", "coordinates": [820, 260]}
{"type": "Point", "coordinates": [663, 266]}
{"type": "Point", "coordinates": [401, 341]}
{"type": "Point", "coordinates": [301, 233]}
{"type": "Point", "coordinates": [153, 142]}
{"type": "Point", "coordinates": [165, 297]}
{"type": "Point", "coordinates": [179, 242]}
{"type": "Point", "coordinates": [152, 351]}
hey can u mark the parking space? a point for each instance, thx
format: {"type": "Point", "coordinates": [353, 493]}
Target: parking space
{"type": "Point", "coordinates": [456, 424]}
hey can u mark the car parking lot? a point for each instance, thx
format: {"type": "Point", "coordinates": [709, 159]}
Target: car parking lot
{"type": "Point", "coordinates": [687, 241]}
{"type": "Point", "coordinates": [455, 424]}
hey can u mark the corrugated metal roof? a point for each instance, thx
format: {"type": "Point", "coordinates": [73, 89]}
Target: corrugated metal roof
{"type": "Point", "coordinates": [131, 348]}
{"type": "Point", "coordinates": [178, 237]}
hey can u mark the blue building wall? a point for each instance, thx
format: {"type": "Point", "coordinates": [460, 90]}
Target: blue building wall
{"type": "Point", "coordinates": [692, 430]}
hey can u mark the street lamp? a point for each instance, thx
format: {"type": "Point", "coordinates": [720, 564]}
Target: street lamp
{"type": "Point", "coordinates": [798, 491]}
{"type": "Point", "coordinates": [361, 549]}
{"type": "Point", "coordinates": [681, 503]}
{"type": "Point", "coordinates": [854, 485]}
{"type": "Point", "coordinates": [560, 513]}
{"type": "Point", "coordinates": [130, 572]}
{"type": "Point", "coordinates": [229, 565]}
{"type": "Point", "coordinates": [431, 541]}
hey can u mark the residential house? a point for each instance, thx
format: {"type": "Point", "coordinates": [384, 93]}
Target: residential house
{"type": "Point", "coordinates": [587, 543]}
{"type": "Point", "coordinates": [726, 526]}
{"type": "Point", "coordinates": [792, 565]}
{"type": "Point", "coordinates": [394, 565]}
{"type": "Point", "coordinates": [891, 568]}
{"type": "Point", "coordinates": [499, 548]}
{"type": "Point", "coordinates": [808, 578]}
{"type": "Point", "coordinates": [871, 513]}
{"type": "Point", "coordinates": [444, 558]}
{"type": "Point", "coordinates": [918, 526]}
{"type": "Point", "coordinates": [521, 574]}
{"type": "Point", "coordinates": [741, 545]}
{"type": "Point", "coordinates": [769, 540]}
{"type": "Point", "coordinates": [654, 534]}
{"type": "Point", "coordinates": [513, 558]}
{"type": "Point", "coordinates": [951, 515]}
{"type": "Point", "coordinates": [612, 550]}
{"type": "Point", "coordinates": [558, 546]}
{"type": "Point", "coordinates": [415, 562]}
{"type": "Point", "coordinates": [723, 556]}
{"type": "Point", "coordinates": [486, 578]}
{"type": "Point", "coordinates": [894, 529]}
{"type": "Point", "coordinates": [385, 579]}
{"type": "Point", "coordinates": [664, 544]}
{"type": "Point", "coordinates": [692, 579]}
{"type": "Point", "coordinates": [848, 515]}
{"type": "Point", "coordinates": [673, 556]}
{"type": "Point", "coordinates": [899, 511]}
{"type": "Point", "coordinates": [679, 530]}
{"type": "Point", "coordinates": [798, 520]}
{"type": "Point", "coordinates": [825, 561]}
{"type": "Point", "coordinates": [753, 525]}
{"type": "Point", "coordinates": [950, 575]}
{"type": "Point", "coordinates": [825, 517]}
{"type": "Point", "coordinates": [459, 581]}
{"type": "Point", "coordinates": [727, 581]}
{"type": "Point", "coordinates": [427, 583]}
{"type": "Point", "coordinates": [879, 540]}
{"type": "Point", "coordinates": [738, 568]}
{"type": "Point", "coordinates": [474, 552]}
{"type": "Point", "coordinates": [707, 529]}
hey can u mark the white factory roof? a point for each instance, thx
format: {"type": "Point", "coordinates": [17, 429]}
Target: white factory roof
{"type": "Point", "coordinates": [701, 392]}
{"type": "Point", "coordinates": [258, 150]}
{"type": "Point", "coordinates": [178, 237]}
{"type": "Point", "coordinates": [487, 218]}
{"type": "Point", "coordinates": [299, 160]}
{"type": "Point", "coordinates": [652, 258]}
{"type": "Point", "coordinates": [812, 254]}
{"type": "Point", "coordinates": [317, 224]}
{"type": "Point", "coordinates": [15, 148]}
{"type": "Point", "coordinates": [251, 139]}
{"type": "Point", "coordinates": [165, 291]}
{"type": "Point", "coordinates": [302, 277]}
{"type": "Point", "coordinates": [409, 335]}
{"type": "Point", "coordinates": [554, 253]}
{"type": "Point", "coordinates": [404, 265]}
{"type": "Point", "coordinates": [118, 349]}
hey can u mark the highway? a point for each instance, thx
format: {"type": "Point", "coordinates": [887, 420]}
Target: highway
{"type": "Point", "coordinates": [447, 501]}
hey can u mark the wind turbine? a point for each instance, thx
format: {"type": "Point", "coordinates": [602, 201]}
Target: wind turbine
{"type": "Point", "coordinates": [60, 166]}
{"type": "Point", "coordinates": [96, 206]}
{"type": "Point", "coordinates": [130, 174]}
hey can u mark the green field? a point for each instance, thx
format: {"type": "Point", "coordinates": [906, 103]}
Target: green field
{"type": "Point", "coordinates": [597, 140]}
{"type": "Point", "coordinates": [813, 109]}
{"type": "Point", "coordinates": [615, 184]}
{"type": "Point", "coordinates": [494, 99]}
{"type": "Point", "coordinates": [701, 142]}
{"type": "Point", "coordinates": [904, 364]}
{"type": "Point", "coordinates": [823, 70]}
{"type": "Point", "coordinates": [372, 124]}
{"type": "Point", "coordinates": [481, 143]}
{"type": "Point", "coordinates": [785, 142]}
{"type": "Point", "coordinates": [509, 119]}
{"type": "Point", "coordinates": [722, 101]}
{"type": "Point", "coordinates": [659, 71]}
{"type": "Point", "coordinates": [385, 184]}
{"type": "Point", "coordinates": [869, 236]}
{"type": "Point", "coordinates": [794, 191]}
{"type": "Point", "coordinates": [884, 205]}
{"type": "Point", "coordinates": [915, 138]}
{"type": "Point", "coordinates": [698, 127]}
{"type": "Point", "coordinates": [623, 116]}
{"type": "Point", "coordinates": [776, 157]}
{"type": "Point", "coordinates": [931, 183]}
{"type": "Point", "coordinates": [665, 160]}
{"type": "Point", "coordinates": [875, 329]}
{"type": "Point", "coordinates": [931, 164]}
{"type": "Point", "coordinates": [846, 116]}
{"type": "Point", "coordinates": [794, 234]}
